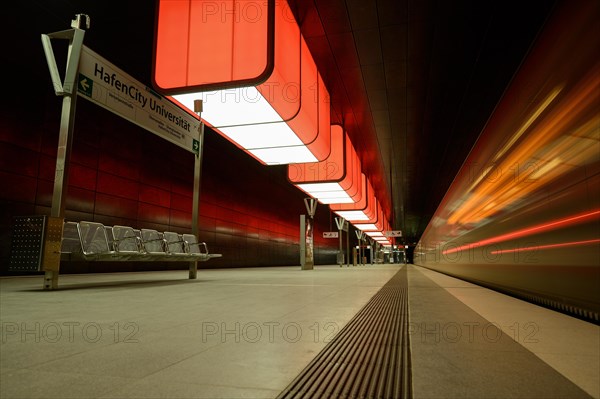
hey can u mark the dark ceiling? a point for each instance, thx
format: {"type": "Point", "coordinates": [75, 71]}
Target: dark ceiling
{"type": "Point", "coordinates": [412, 81]}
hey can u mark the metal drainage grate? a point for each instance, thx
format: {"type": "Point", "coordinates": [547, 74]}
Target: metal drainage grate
{"type": "Point", "coordinates": [369, 357]}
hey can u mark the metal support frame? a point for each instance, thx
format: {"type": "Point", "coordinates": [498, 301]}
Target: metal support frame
{"type": "Point", "coordinates": [197, 180]}
{"type": "Point", "coordinates": [67, 90]}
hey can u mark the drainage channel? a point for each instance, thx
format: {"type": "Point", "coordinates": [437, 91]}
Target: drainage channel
{"type": "Point", "coordinates": [369, 357]}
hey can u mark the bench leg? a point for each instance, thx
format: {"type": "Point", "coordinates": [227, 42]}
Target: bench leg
{"type": "Point", "coordinates": [193, 270]}
{"type": "Point", "coordinates": [51, 255]}
{"type": "Point", "coordinates": [51, 280]}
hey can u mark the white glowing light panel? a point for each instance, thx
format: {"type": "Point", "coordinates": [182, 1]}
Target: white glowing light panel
{"type": "Point", "coordinates": [375, 234]}
{"type": "Point", "coordinates": [247, 118]}
{"type": "Point", "coordinates": [365, 226]}
{"type": "Point", "coordinates": [326, 193]}
{"type": "Point", "coordinates": [352, 215]}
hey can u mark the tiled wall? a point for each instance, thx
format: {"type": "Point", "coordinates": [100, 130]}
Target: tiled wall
{"type": "Point", "coordinates": [121, 174]}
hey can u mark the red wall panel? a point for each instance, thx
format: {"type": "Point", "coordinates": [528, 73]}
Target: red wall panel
{"type": "Point", "coordinates": [153, 195]}
{"type": "Point", "coordinates": [18, 160]}
{"type": "Point", "coordinates": [47, 164]}
{"type": "Point", "coordinates": [18, 188]}
{"type": "Point", "coordinates": [181, 202]}
{"type": "Point", "coordinates": [110, 205]}
{"type": "Point", "coordinates": [81, 176]}
{"type": "Point", "coordinates": [180, 220]}
{"type": "Point", "coordinates": [80, 200]}
{"type": "Point", "coordinates": [121, 174]}
{"type": "Point", "coordinates": [117, 186]}
{"type": "Point", "coordinates": [124, 167]}
{"type": "Point", "coordinates": [85, 154]}
{"type": "Point", "coordinates": [153, 213]}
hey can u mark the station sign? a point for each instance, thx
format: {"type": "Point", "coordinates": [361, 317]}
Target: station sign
{"type": "Point", "coordinates": [104, 84]}
{"type": "Point", "coordinates": [393, 233]}
{"type": "Point", "coordinates": [330, 234]}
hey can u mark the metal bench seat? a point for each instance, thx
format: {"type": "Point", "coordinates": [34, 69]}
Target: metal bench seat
{"type": "Point", "coordinates": [96, 242]}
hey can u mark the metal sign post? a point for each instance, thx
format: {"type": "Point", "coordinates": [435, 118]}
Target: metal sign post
{"type": "Point", "coordinates": [347, 230]}
{"type": "Point", "coordinates": [302, 241]}
{"type": "Point", "coordinates": [311, 208]}
{"type": "Point", "coordinates": [198, 148]}
{"type": "Point", "coordinates": [66, 89]}
{"type": "Point", "coordinates": [340, 222]}
{"type": "Point", "coordinates": [359, 235]}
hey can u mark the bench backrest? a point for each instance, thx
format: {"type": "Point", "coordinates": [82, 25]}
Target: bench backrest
{"type": "Point", "coordinates": [174, 242]}
{"type": "Point", "coordinates": [192, 244]}
{"type": "Point", "coordinates": [93, 238]}
{"type": "Point", "coordinates": [71, 243]}
{"type": "Point", "coordinates": [125, 239]}
{"type": "Point", "coordinates": [152, 241]}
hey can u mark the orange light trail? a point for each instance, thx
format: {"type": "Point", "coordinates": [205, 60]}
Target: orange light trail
{"type": "Point", "coordinates": [547, 246]}
{"type": "Point", "coordinates": [537, 142]}
{"type": "Point", "coordinates": [531, 230]}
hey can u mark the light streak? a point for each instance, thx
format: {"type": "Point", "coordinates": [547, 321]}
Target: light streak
{"type": "Point", "coordinates": [547, 246]}
{"type": "Point", "coordinates": [531, 230]}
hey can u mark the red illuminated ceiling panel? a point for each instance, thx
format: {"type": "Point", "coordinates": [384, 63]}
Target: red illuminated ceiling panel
{"type": "Point", "coordinates": [335, 180]}
{"type": "Point", "coordinates": [376, 224]}
{"type": "Point", "coordinates": [363, 210]}
{"type": "Point", "coordinates": [252, 68]}
{"type": "Point", "coordinates": [379, 235]}
{"type": "Point", "coordinates": [237, 38]}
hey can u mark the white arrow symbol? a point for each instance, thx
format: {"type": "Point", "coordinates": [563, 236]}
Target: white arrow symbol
{"type": "Point", "coordinates": [84, 84]}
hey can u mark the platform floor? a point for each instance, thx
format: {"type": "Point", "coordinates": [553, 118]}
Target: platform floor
{"type": "Point", "coordinates": [247, 333]}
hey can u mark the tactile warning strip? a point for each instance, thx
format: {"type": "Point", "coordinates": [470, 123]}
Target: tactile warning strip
{"type": "Point", "coordinates": [369, 357]}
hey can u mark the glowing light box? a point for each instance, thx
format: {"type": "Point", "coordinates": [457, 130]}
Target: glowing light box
{"type": "Point", "coordinates": [251, 66]}
{"type": "Point", "coordinates": [361, 211]}
{"type": "Point", "coordinates": [335, 180]}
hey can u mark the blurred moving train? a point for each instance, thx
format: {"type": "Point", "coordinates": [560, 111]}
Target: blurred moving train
{"type": "Point", "coordinates": [523, 214]}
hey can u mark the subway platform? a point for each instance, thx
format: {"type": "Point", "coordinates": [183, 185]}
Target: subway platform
{"type": "Point", "coordinates": [268, 332]}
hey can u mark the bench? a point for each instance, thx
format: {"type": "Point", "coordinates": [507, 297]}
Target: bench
{"type": "Point", "coordinates": [94, 241]}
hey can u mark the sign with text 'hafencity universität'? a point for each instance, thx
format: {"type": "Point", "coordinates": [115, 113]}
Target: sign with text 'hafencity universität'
{"type": "Point", "coordinates": [109, 87]}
